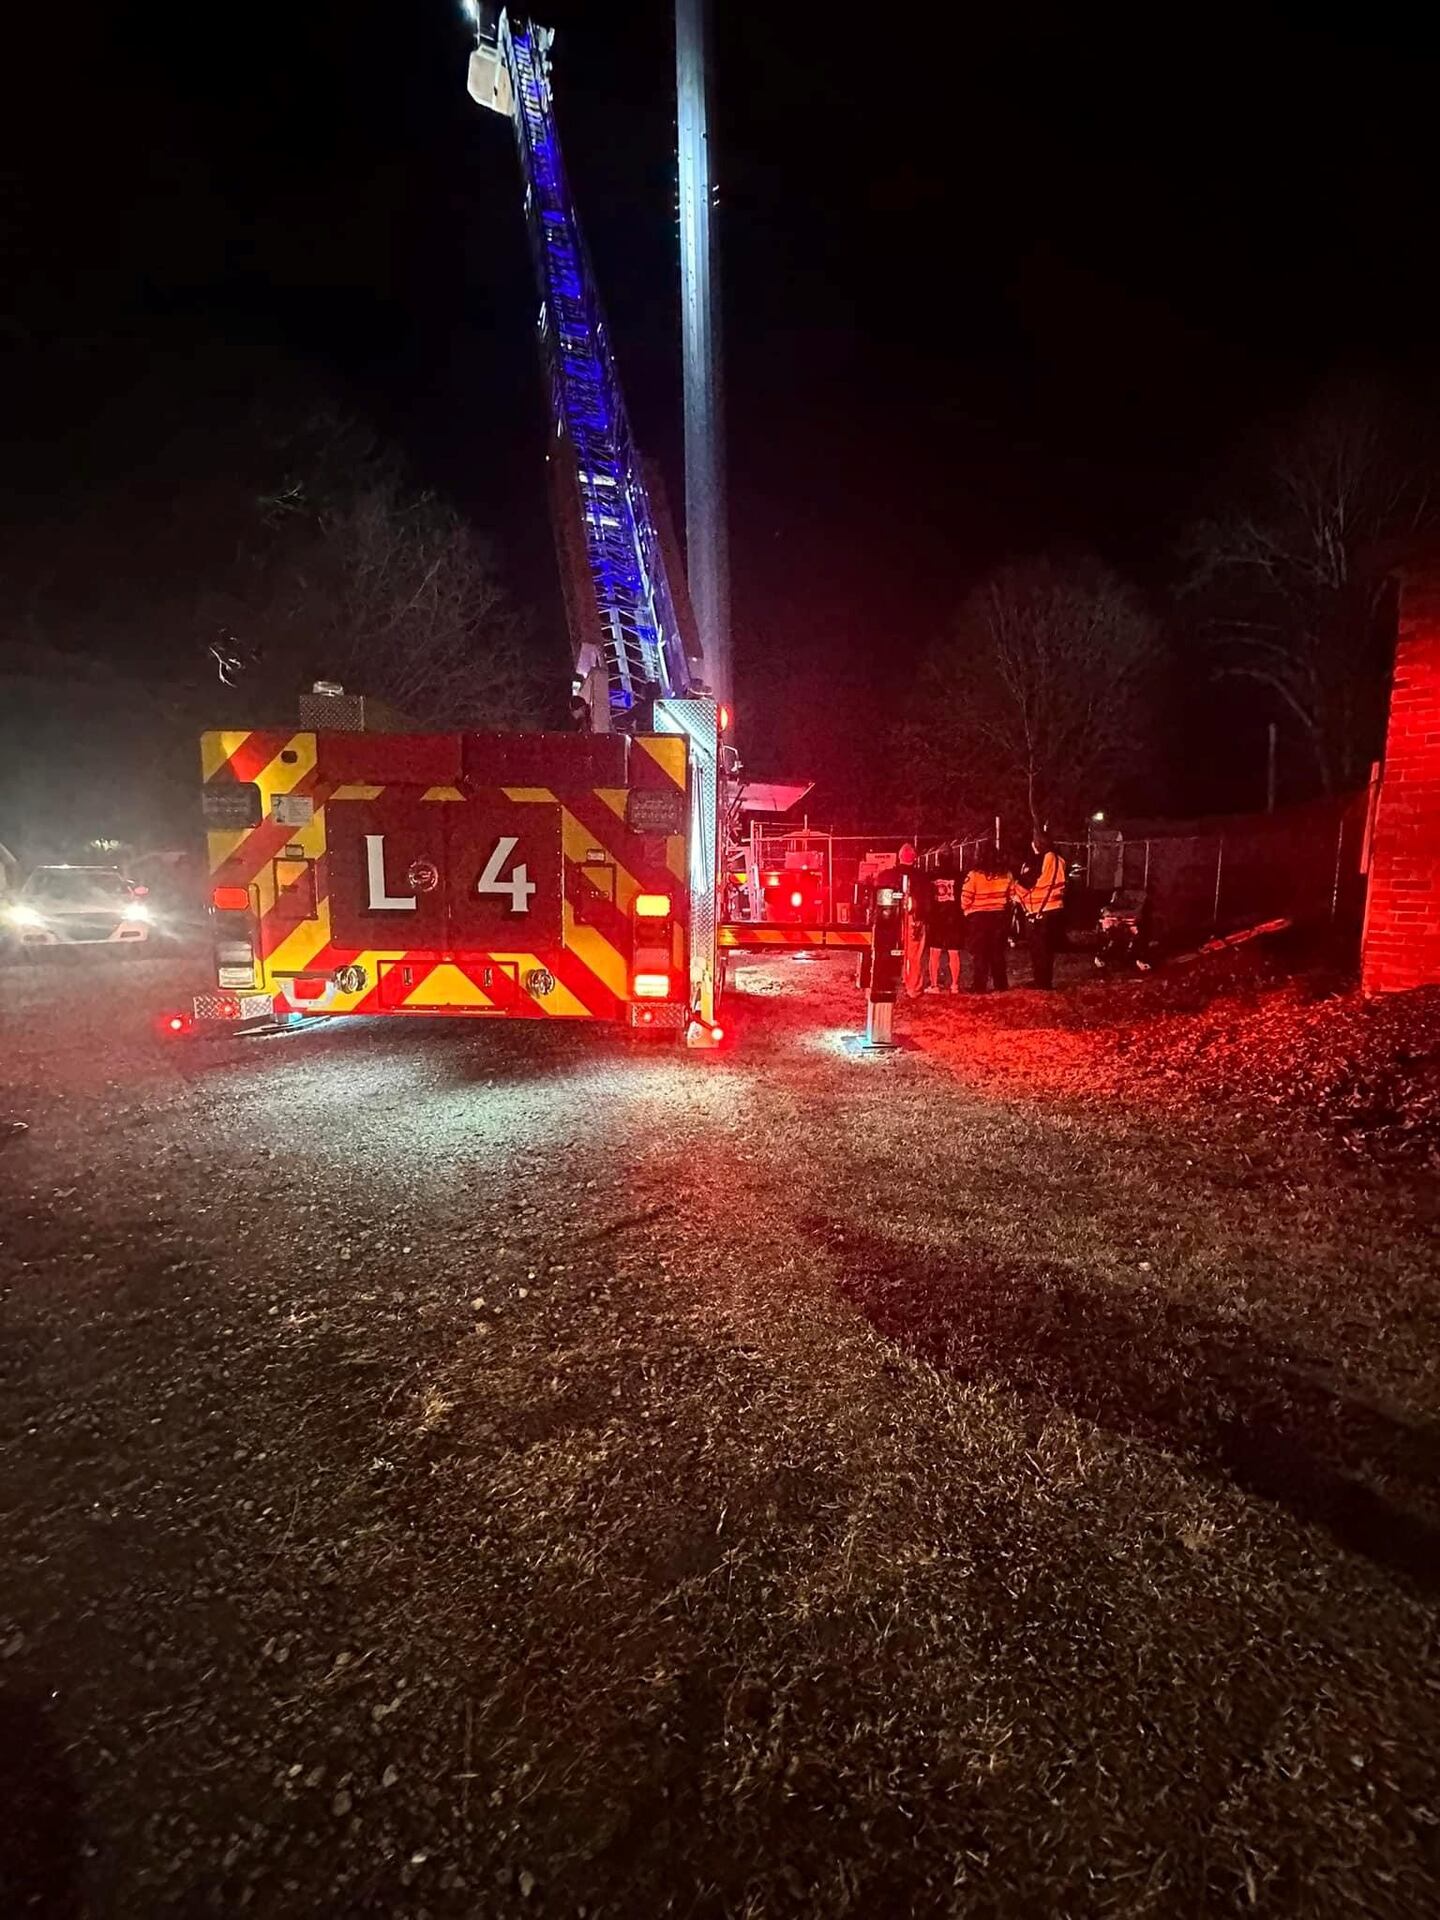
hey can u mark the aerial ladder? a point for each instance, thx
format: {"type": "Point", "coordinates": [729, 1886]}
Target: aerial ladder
{"type": "Point", "coordinates": [624, 612]}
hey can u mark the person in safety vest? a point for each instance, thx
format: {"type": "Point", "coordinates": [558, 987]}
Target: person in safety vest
{"type": "Point", "coordinates": [985, 902]}
{"type": "Point", "coordinates": [1041, 902]}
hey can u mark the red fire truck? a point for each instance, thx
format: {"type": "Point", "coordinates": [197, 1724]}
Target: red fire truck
{"type": "Point", "coordinates": [540, 876]}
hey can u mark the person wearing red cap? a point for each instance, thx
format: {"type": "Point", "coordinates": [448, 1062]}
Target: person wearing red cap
{"type": "Point", "coordinates": [916, 944]}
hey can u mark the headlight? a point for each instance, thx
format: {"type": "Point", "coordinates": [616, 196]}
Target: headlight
{"type": "Point", "coordinates": [21, 915]}
{"type": "Point", "coordinates": [136, 910]}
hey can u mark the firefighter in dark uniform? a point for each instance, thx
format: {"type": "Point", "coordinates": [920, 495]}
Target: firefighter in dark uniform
{"type": "Point", "coordinates": [944, 923]}
{"type": "Point", "coordinates": [891, 880]}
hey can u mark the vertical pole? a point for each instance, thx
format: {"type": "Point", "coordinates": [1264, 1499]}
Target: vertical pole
{"type": "Point", "coordinates": [1339, 858]}
{"type": "Point", "coordinates": [1219, 869]}
{"type": "Point", "coordinates": [879, 1023]}
{"type": "Point", "coordinates": [707, 562]}
{"type": "Point", "coordinates": [1270, 736]}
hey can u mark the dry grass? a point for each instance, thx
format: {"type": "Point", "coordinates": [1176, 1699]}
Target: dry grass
{"type": "Point", "coordinates": [972, 1509]}
{"type": "Point", "coordinates": [983, 1481]}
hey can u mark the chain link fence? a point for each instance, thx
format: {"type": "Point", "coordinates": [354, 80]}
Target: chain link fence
{"type": "Point", "coordinates": [1211, 877]}
{"type": "Point", "coordinates": [1196, 878]}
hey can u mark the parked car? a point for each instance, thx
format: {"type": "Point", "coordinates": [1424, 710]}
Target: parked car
{"type": "Point", "coordinates": [65, 906]}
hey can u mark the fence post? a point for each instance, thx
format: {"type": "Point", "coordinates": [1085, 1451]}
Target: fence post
{"type": "Point", "coordinates": [1219, 870]}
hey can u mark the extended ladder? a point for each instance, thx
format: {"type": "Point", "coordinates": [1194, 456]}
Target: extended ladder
{"type": "Point", "coordinates": [628, 614]}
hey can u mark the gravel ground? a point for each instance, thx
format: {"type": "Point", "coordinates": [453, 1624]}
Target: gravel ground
{"type": "Point", "coordinates": [458, 1470]}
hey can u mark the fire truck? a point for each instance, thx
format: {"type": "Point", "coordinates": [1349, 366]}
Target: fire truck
{"type": "Point", "coordinates": [357, 868]}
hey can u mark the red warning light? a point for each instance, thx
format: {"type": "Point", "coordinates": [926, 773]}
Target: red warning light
{"type": "Point", "coordinates": [724, 718]}
{"type": "Point", "coordinates": [797, 899]}
{"type": "Point", "coordinates": [230, 899]}
{"type": "Point", "coordinates": [175, 1024]}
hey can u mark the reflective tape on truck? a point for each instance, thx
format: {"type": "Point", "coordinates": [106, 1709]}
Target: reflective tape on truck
{"type": "Point", "coordinates": [452, 874]}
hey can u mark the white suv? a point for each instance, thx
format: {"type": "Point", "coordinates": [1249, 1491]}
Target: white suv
{"type": "Point", "coordinates": [59, 906]}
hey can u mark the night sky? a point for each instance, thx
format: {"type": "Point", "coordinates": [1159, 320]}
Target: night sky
{"type": "Point", "coordinates": [992, 283]}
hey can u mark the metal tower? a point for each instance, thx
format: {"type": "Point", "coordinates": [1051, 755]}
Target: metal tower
{"type": "Point", "coordinates": [706, 535]}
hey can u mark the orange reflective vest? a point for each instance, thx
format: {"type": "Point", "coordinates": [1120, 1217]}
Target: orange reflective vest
{"type": "Point", "coordinates": [985, 893]}
{"type": "Point", "coordinates": [1048, 893]}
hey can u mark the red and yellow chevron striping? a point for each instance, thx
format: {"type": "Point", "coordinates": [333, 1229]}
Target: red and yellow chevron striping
{"type": "Point", "coordinates": [454, 874]}
{"type": "Point", "coordinates": [738, 935]}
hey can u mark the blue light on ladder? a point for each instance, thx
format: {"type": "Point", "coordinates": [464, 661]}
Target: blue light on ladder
{"type": "Point", "coordinates": [642, 639]}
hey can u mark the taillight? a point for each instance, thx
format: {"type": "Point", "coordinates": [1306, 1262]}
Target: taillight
{"type": "Point", "coordinates": [651, 956]}
{"type": "Point", "coordinates": [230, 899]}
{"type": "Point", "coordinates": [176, 1024]}
{"type": "Point", "coordinates": [312, 989]}
{"type": "Point", "coordinates": [797, 899]}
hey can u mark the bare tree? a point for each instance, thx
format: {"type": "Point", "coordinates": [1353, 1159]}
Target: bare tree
{"type": "Point", "coordinates": [291, 542]}
{"type": "Point", "coordinates": [359, 577]}
{"type": "Point", "coordinates": [1037, 701]}
{"type": "Point", "coordinates": [1294, 582]}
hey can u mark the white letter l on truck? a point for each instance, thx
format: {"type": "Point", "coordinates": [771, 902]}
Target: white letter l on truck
{"type": "Point", "coordinates": [375, 873]}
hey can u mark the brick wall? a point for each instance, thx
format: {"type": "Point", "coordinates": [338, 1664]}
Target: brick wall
{"type": "Point", "coordinates": [1402, 914]}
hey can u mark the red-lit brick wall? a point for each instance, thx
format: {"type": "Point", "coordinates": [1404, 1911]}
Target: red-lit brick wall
{"type": "Point", "coordinates": [1402, 912]}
